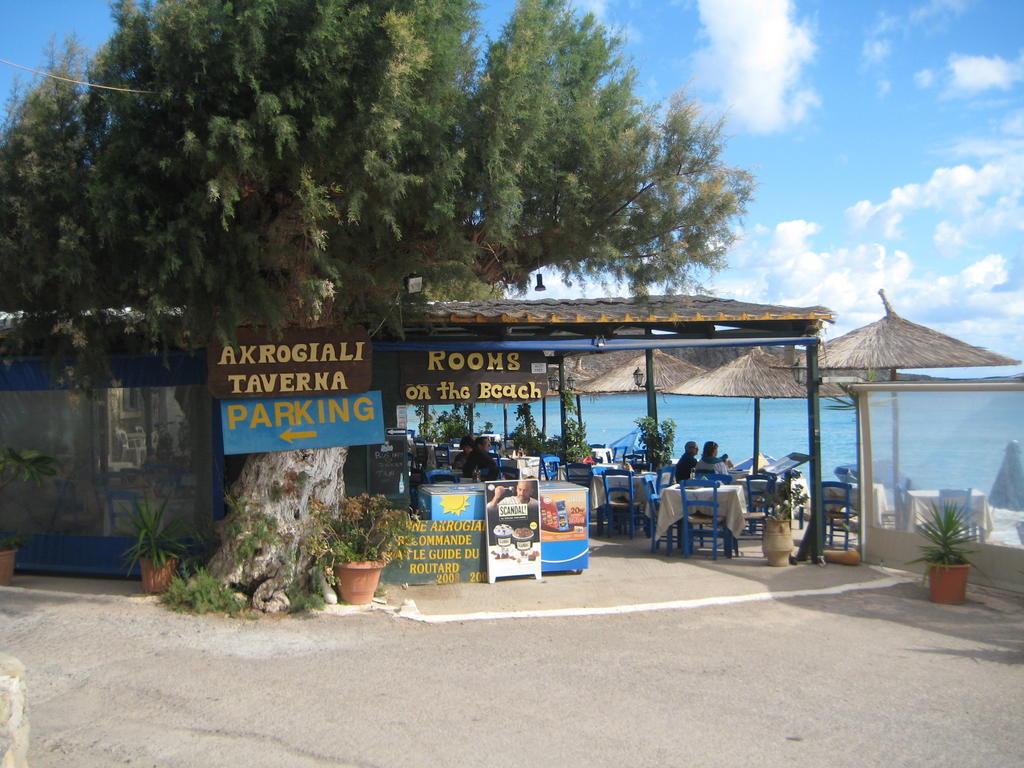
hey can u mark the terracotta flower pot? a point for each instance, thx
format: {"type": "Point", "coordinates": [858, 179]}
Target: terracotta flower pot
{"type": "Point", "coordinates": [7, 566]}
{"type": "Point", "coordinates": [358, 581]}
{"type": "Point", "coordinates": [948, 583]}
{"type": "Point", "coordinates": [155, 580]}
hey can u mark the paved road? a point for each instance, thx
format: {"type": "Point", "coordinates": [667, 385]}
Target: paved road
{"type": "Point", "coordinates": [880, 677]}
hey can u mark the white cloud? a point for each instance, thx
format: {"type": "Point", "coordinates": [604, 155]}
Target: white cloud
{"type": "Point", "coordinates": [755, 57]}
{"type": "Point", "coordinates": [985, 201]}
{"type": "Point", "coordinates": [924, 78]}
{"type": "Point", "coordinates": [876, 51]}
{"type": "Point", "coordinates": [937, 9]}
{"type": "Point", "coordinates": [596, 7]}
{"type": "Point", "coordinates": [980, 304]}
{"type": "Point", "coordinates": [973, 74]}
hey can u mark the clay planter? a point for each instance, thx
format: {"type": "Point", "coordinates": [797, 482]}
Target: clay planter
{"type": "Point", "coordinates": [7, 566]}
{"type": "Point", "coordinates": [155, 580]}
{"type": "Point", "coordinates": [358, 581]}
{"type": "Point", "coordinates": [948, 583]}
{"type": "Point", "coordinates": [777, 543]}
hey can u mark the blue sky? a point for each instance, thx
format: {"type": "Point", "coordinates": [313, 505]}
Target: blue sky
{"type": "Point", "coordinates": [887, 139]}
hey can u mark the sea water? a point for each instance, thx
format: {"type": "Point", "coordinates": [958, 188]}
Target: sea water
{"type": "Point", "coordinates": [729, 421]}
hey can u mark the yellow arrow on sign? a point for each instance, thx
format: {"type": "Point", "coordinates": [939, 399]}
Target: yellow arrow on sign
{"type": "Point", "coordinates": [289, 435]}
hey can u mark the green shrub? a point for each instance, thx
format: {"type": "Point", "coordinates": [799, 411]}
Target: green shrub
{"type": "Point", "coordinates": [201, 593]}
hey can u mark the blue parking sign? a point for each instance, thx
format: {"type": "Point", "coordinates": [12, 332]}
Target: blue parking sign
{"type": "Point", "coordinates": [287, 424]}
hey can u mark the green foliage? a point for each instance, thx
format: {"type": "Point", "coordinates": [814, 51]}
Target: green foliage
{"type": "Point", "coordinates": [26, 466]}
{"type": "Point", "coordinates": [201, 593]}
{"type": "Point", "coordinates": [252, 531]}
{"type": "Point", "coordinates": [947, 533]}
{"type": "Point", "coordinates": [14, 541]}
{"type": "Point", "coordinates": [156, 540]}
{"type": "Point", "coordinates": [787, 498]}
{"type": "Point", "coordinates": [575, 438]}
{"type": "Point", "coordinates": [452, 425]}
{"type": "Point", "coordinates": [659, 443]}
{"type": "Point", "coordinates": [289, 161]}
{"type": "Point", "coordinates": [526, 437]}
{"type": "Point", "coordinates": [300, 600]}
{"type": "Point", "coordinates": [364, 528]}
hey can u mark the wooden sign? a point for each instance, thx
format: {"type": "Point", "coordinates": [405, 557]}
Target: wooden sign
{"type": "Point", "coordinates": [457, 377]}
{"type": "Point", "coordinates": [308, 362]}
{"type": "Point", "coordinates": [441, 552]}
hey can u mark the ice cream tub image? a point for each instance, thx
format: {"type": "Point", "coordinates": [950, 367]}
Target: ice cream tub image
{"type": "Point", "coordinates": [523, 538]}
{"type": "Point", "coordinates": [503, 534]}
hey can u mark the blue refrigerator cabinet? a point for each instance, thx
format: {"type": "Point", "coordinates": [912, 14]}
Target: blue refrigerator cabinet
{"type": "Point", "coordinates": [564, 518]}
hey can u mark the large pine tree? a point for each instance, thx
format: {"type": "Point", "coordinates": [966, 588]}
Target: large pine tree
{"type": "Point", "coordinates": [276, 162]}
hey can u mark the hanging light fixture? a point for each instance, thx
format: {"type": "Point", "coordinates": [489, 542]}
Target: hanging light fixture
{"type": "Point", "coordinates": [553, 383]}
{"type": "Point", "coordinates": [413, 283]}
{"type": "Point", "coordinates": [540, 283]}
{"type": "Point", "coordinates": [638, 378]}
{"type": "Point", "coordinates": [570, 382]}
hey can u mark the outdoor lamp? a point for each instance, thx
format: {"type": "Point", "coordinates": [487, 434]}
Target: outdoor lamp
{"type": "Point", "coordinates": [413, 283]}
{"type": "Point", "coordinates": [553, 383]}
{"type": "Point", "coordinates": [540, 283]}
{"type": "Point", "coordinates": [638, 378]}
{"type": "Point", "coordinates": [570, 382]}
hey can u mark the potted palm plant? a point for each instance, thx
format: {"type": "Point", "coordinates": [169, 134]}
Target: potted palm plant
{"type": "Point", "coordinates": [25, 465]}
{"type": "Point", "coordinates": [157, 547]}
{"type": "Point", "coordinates": [354, 543]}
{"type": "Point", "coordinates": [9, 546]}
{"type": "Point", "coordinates": [945, 557]}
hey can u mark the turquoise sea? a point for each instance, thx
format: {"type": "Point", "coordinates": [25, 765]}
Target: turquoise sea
{"type": "Point", "coordinates": [946, 453]}
{"type": "Point", "coordinates": [729, 421]}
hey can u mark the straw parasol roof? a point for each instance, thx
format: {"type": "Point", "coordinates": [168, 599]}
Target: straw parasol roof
{"type": "Point", "coordinates": [893, 342]}
{"type": "Point", "coordinates": [756, 374]}
{"type": "Point", "coordinates": [669, 371]}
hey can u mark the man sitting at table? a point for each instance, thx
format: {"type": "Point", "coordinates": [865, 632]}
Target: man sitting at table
{"type": "Point", "coordinates": [480, 461]}
{"type": "Point", "coordinates": [686, 463]}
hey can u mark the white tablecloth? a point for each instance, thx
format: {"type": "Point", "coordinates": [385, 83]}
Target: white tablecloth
{"type": "Point", "coordinates": [732, 504]}
{"type": "Point", "coordinates": [879, 506]}
{"type": "Point", "coordinates": [923, 504]}
{"type": "Point", "coordinates": [640, 493]}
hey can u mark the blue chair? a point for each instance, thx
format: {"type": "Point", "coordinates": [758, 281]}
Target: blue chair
{"type": "Point", "coordinates": [760, 500]}
{"type": "Point", "coordinates": [432, 476]}
{"type": "Point", "coordinates": [580, 473]}
{"type": "Point", "coordinates": [666, 477]}
{"type": "Point", "coordinates": [701, 519]}
{"type": "Point", "coordinates": [837, 509]}
{"type": "Point", "coordinates": [618, 454]}
{"type": "Point", "coordinates": [549, 467]}
{"type": "Point", "coordinates": [119, 507]}
{"type": "Point", "coordinates": [674, 531]}
{"type": "Point", "coordinates": [620, 510]}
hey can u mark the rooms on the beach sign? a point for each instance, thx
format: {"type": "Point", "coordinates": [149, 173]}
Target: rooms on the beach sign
{"type": "Point", "coordinates": [295, 361]}
{"type": "Point", "coordinates": [458, 377]}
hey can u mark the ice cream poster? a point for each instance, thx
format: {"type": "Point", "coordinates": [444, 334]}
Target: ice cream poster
{"type": "Point", "coordinates": [512, 515]}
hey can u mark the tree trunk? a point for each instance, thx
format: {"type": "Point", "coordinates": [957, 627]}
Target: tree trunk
{"type": "Point", "coordinates": [276, 488]}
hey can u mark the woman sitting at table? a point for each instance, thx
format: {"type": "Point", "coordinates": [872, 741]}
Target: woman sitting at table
{"type": "Point", "coordinates": [480, 461]}
{"type": "Point", "coordinates": [710, 461]}
{"type": "Point", "coordinates": [466, 448]}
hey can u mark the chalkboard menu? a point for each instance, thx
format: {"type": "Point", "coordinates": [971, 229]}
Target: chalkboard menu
{"type": "Point", "coordinates": [387, 467]}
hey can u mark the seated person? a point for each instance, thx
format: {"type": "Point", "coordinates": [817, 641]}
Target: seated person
{"type": "Point", "coordinates": [480, 460]}
{"type": "Point", "coordinates": [466, 448]}
{"type": "Point", "coordinates": [710, 461]}
{"type": "Point", "coordinates": [686, 463]}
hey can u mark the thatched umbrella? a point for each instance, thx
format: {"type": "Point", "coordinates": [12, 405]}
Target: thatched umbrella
{"type": "Point", "coordinates": [756, 374]}
{"type": "Point", "coordinates": [668, 372]}
{"type": "Point", "coordinates": [892, 343]}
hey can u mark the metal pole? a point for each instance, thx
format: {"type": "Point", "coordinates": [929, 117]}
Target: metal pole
{"type": "Point", "coordinates": [757, 433]}
{"type": "Point", "coordinates": [814, 537]}
{"type": "Point", "coordinates": [561, 403]}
